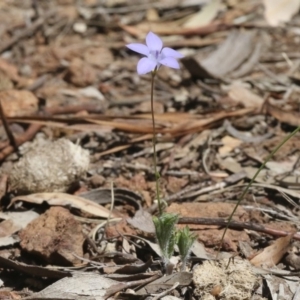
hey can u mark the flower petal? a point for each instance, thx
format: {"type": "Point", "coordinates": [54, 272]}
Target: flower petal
{"type": "Point", "coordinates": [169, 52]}
{"type": "Point", "coordinates": [153, 42]}
{"type": "Point", "coordinates": [145, 65]}
{"type": "Point", "coordinates": [170, 62]}
{"type": "Point", "coordinates": [139, 48]}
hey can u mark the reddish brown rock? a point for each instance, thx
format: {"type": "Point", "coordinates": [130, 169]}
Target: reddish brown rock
{"type": "Point", "coordinates": [54, 237]}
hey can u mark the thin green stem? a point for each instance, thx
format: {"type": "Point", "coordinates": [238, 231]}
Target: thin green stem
{"type": "Point", "coordinates": [253, 179]}
{"type": "Point", "coordinates": [157, 176]}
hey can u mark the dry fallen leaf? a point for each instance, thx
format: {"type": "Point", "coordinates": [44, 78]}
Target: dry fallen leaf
{"type": "Point", "coordinates": [14, 221]}
{"type": "Point", "coordinates": [230, 56]}
{"type": "Point", "coordinates": [229, 144]}
{"type": "Point", "coordinates": [63, 199]}
{"type": "Point", "coordinates": [81, 285]}
{"type": "Point", "coordinates": [142, 221]}
{"type": "Point", "coordinates": [280, 11]}
{"type": "Point", "coordinates": [241, 94]}
{"type": "Point", "coordinates": [272, 254]}
{"type": "Point", "coordinates": [290, 117]}
{"type": "Point", "coordinates": [205, 15]}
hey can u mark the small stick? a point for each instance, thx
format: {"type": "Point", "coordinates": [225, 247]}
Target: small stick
{"type": "Point", "coordinates": [237, 225]}
{"type": "Point", "coordinates": [7, 129]}
{"type": "Point", "coordinates": [28, 135]}
{"type": "Point", "coordinates": [164, 293]}
{"type": "Point", "coordinates": [123, 285]}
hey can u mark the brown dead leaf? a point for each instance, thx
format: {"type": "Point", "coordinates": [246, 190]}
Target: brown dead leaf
{"type": "Point", "coordinates": [272, 254]}
{"type": "Point", "coordinates": [62, 199]}
{"type": "Point", "coordinates": [241, 94]}
{"type": "Point", "coordinates": [289, 117]}
{"type": "Point", "coordinates": [32, 270]}
{"type": "Point", "coordinates": [129, 268]}
{"type": "Point", "coordinates": [280, 11]}
{"type": "Point", "coordinates": [117, 229]}
{"type": "Point", "coordinates": [229, 144]}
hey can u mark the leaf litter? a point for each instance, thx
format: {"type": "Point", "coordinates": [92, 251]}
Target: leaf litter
{"type": "Point", "coordinates": [65, 74]}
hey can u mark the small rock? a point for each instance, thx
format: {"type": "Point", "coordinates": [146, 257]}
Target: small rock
{"type": "Point", "coordinates": [98, 57]}
{"type": "Point", "coordinates": [81, 73]}
{"type": "Point", "coordinates": [80, 27]}
{"type": "Point", "coordinates": [97, 180]}
{"type": "Point", "coordinates": [54, 236]}
{"type": "Point", "coordinates": [18, 103]}
{"type": "Point", "coordinates": [91, 92]}
{"type": "Point", "coordinates": [49, 167]}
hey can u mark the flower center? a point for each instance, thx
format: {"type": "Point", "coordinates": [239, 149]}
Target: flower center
{"type": "Point", "coordinates": [155, 55]}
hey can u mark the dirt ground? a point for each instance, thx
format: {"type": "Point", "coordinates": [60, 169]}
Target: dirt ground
{"type": "Point", "coordinates": [77, 182]}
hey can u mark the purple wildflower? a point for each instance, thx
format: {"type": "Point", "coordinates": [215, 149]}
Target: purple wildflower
{"type": "Point", "coordinates": [155, 54]}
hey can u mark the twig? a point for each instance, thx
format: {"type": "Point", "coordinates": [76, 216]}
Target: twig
{"type": "Point", "coordinates": [28, 135]}
{"type": "Point", "coordinates": [112, 203]}
{"type": "Point", "coordinates": [189, 192]}
{"type": "Point", "coordinates": [73, 109]}
{"type": "Point", "coordinates": [237, 225]}
{"type": "Point", "coordinates": [118, 287]}
{"type": "Point", "coordinates": [7, 129]}
{"type": "Point", "coordinates": [166, 292]}
{"type": "Point", "coordinates": [39, 82]}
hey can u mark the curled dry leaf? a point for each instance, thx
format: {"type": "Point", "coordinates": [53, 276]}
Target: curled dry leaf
{"type": "Point", "coordinates": [229, 57]}
{"type": "Point", "coordinates": [55, 199]}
